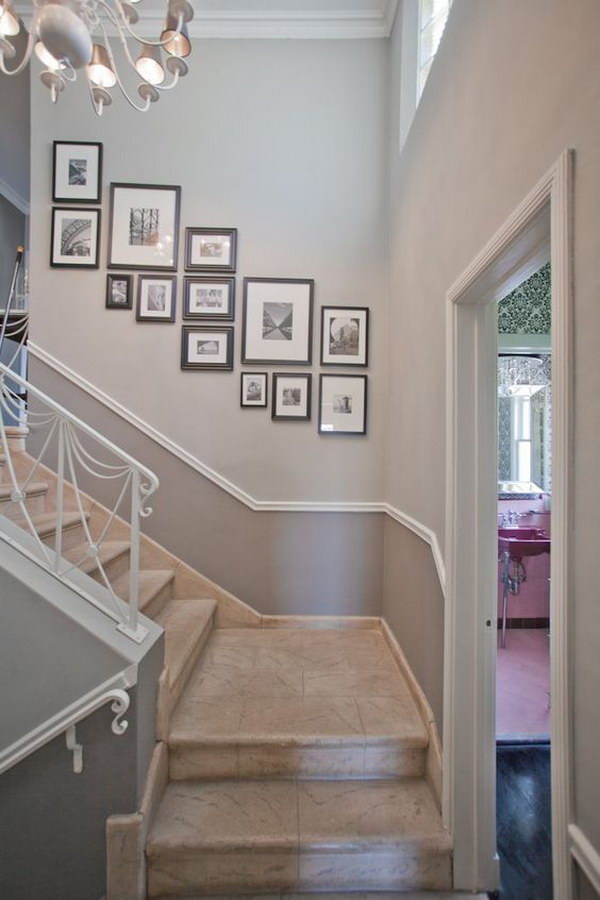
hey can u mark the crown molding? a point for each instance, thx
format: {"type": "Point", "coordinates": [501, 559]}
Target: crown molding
{"type": "Point", "coordinates": [332, 24]}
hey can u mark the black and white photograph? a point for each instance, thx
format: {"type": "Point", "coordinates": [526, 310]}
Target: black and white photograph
{"type": "Point", "coordinates": [277, 321]}
{"type": "Point", "coordinates": [144, 226]}
{"type": "Point", "coordinates": [156, 298]}
{"type": "Point", "coordinates": [291, 396]}
{"type": "Point", "coordinates": [207, 347]}
{"type": "Point", "coordinates": [211, 249]}
{"type": "Point", "coordinates": [254, 389]}
{"type": "Point", "coordinates": [344, 335]}
{"type": "Point", "coordinates": [342, 404]}
{"type": "Point", "coordinates": [118, 291]}
{"type": "Point", "coordinates": [208, 298]}
{"type": "Point", "coordinates": [76, 172]}
{"type": "Point", "coordinates": [75, 238]}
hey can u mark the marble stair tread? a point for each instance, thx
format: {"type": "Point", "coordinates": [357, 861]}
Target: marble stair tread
{"type": "Point", "coordinates": [297, 815]}
{"type": "Point", "coordinates": [45, 523]}
{"type": "Point", "coordinates": [33, 489]}
{"type": "Point", "coordinates": [186, 624]}
{"type": "Point", "coordinates": [109, 552]}
{"type": "Point", "coordinates": [152, 582]}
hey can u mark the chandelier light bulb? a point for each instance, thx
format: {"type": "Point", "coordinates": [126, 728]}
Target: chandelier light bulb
{"type": "Point", "coordinates": [9, 23]}
{"type": "Point", "coordinates": [100, 72]}
{"type": "Point", "coordinates": [148, 65]}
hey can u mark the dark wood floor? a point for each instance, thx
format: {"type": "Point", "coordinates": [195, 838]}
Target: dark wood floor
{"type": "Point", "coordinates": [524, 825]}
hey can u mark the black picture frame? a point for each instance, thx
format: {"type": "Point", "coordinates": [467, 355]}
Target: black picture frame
{"type": "Point", "coordinates": [261, 398]}
{"type": "Point", "coordinates": [119, 290]}
{"type": "Point", "coordinates": [76, 172]}
{"type": "Point", "coordinates": [144, 226]}
{"type": "Point", "coordinates": [197, 306]}
{"type": "Point", "coordinates": [287, 305]}
{"type": "Point", "coordinates": [75, 238]}
{"type": "Point", "coordinates": [210, 249]}
{"type": "Point", "coordinates": [291, 396]}
{"type": "Point", "coordinates": [344, 336]}
{"type": "Point", "coordinates": [213, 351]}
{"type": "Point", "coordinates": [156, 296]}
{"type": "Point", "coordinates": [343, 404]}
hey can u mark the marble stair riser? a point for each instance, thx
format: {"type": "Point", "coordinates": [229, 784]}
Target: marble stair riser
{"type": "Point", "coordinates": [264, 760]}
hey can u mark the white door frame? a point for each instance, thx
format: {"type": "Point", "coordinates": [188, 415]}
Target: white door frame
{"type": "Point", "coordinates": [469, 796]}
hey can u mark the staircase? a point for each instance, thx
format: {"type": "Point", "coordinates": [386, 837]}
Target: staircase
{"type": "Point", "coordinates": [289, 758]}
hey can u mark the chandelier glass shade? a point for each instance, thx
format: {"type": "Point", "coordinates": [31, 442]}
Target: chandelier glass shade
{"type": "Point", "coordinates": [68, 36]}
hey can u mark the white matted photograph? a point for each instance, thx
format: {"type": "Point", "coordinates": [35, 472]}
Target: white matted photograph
{"type": "Point", "coordinates": [211, 249]}
{"type": "Point", "coordinates": [344, 336]}
{"type": "Point", "coordinates": [76, 172]}
{"type": "Point", "coordinates": [75, 238]}
{"type": "Point", "coordinates": [118, 291]}
{"type": "Point", "coordinates": [254, 389]}
{"type": "Point", "coordinates": [291, 397]}
{"type": "Point", "coordinates": [343, 404]}
{"type": "Point", "coordinates": [156, 298]}
{"type": "Point", "coordinates": [277, 321]}
{"type": "Point", "coordinates": [207, 348]}
{"type": "Point", "coordinates": [144, 226]}
{"type": "Point", "coordinates": [208, 298]}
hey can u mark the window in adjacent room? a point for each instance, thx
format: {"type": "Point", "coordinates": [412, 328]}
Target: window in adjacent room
{"type": "Point", "coordinates": [432, 21]}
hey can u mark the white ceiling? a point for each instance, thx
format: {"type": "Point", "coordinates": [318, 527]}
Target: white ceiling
{"type": "Point", "coordinates": [284, 18]}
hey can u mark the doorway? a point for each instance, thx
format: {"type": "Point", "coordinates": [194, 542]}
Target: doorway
{"type": "Point", "coordinates": [537, 230]}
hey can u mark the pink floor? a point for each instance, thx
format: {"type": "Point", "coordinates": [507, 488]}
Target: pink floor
{"type": "Point", "coordinates": [523, 684]}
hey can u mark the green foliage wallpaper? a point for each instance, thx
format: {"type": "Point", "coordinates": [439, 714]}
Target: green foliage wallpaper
{"type": "Point", "coordinates": [527, 309]}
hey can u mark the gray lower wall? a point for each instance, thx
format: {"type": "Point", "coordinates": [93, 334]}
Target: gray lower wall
{"type": "Point", "coordinates": [413, 606]}
{"type": "Point", "coordinates": [279, 563]}
{"type": "Point", "coordinates": [52, 822]}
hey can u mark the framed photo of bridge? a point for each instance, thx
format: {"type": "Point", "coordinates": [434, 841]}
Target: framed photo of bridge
{"type": "Point", "coordinates": [344, 335]}
{"type": "Point", "coordinates": [144, 226]}
{"type": "Point", "coordinates": [75, 239]}
{"type": "Point", "coordinates": [76, 172]}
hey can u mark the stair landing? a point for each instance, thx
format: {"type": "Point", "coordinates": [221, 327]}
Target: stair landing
{"type": "Point", "coordinates": [297, 763]}
{"type": "Point", "coordinates": [278, 702]}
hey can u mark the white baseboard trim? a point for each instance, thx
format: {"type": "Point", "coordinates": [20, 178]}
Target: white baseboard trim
{"type": "Point", "coordinates": [319, 506]}
{"type": "Point", "coordinates": [586, 855]}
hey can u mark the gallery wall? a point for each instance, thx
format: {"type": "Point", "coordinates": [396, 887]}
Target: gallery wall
{"type": "Point", "coordinates": [285, 141]}
{"type": "Point", "coordinates": [512, 87]}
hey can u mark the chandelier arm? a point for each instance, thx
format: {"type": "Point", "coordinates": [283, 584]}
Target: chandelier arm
{"type": "Point", "coordinates": [170, 85]}
{"type": "Point", "coordinates": [116, 71]}
{"type": "Point", "coordinates": [121, 23]}
{"type": "Point", "coordinates": [26, 57]}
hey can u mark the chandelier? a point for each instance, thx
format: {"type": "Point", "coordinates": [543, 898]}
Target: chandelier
{"type": "Point", "coordinates": [71, 35]}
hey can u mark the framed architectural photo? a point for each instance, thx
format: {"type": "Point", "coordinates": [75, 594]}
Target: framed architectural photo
{"type": "Point", "coordinates": [291, 397]}
{"type": "Point", "coordinates": [343, 404]}
{"type": "Point", "coordinates": [207, 348]}
{"type": "Point", "coordinates": [156, 298]}
{"type": "Point", "coordinates": [277, 321]}
{"type": "Point", "coordinates": [76, 172]}
{"type": "Point", "coordinates": [344, 336]}
{"type": "Point", "coordinates": [119, 291]}
{"type": "Point", "coordinates": [211, 249]}
{"type": "Point", "coordinates": [75, 238]}
{"type": "Point", "coordinates": [208, 298]}
{"type": "Point", "coordinates": [144, 226]}
{"type": "Point", "coordinates": [254, 389]}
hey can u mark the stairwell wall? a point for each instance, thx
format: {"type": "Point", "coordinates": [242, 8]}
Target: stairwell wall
{"type": "Point", "coordinates": [511, 88]}
{"type": "Point", "coordinates": [284, 140]}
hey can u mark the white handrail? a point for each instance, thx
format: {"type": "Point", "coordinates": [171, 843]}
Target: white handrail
{"type": "Point", "coordinates": [64, 439]}
{"type": "Point", "coordinates": [115, 690]}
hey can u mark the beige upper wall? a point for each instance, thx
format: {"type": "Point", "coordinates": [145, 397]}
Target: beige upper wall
{"type": "Point", "coordinates": [513, 86]}
{"type": "Point", "coordinates": [285, 140]}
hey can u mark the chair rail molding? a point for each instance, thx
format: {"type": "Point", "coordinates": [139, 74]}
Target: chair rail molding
{"type": "Point", "coordinates": [256, 505]}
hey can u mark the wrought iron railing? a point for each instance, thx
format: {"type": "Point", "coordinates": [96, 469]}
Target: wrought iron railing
{"type": "Point", "coordinates": [66, 454]}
